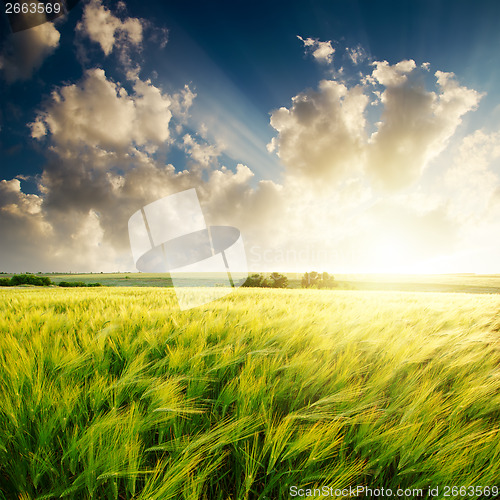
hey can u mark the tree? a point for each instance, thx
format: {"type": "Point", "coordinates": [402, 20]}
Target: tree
{"type": "Point", "coordinates": [310, 279]}
{"type": "Point", "coordinates": [256, 280]}
{"type": "Point", "coordinates": [30, 279]}
{"type": "Point", "coordinates": [275, 280]}
{"type": "Point", "coordinates": [72, 284]}
{"type": "Point", "coordinates": [278, 280]}
{"type": "Point", "coordinates": [326, 281]}
{"type": "Point", "coordinates": [317, 280]}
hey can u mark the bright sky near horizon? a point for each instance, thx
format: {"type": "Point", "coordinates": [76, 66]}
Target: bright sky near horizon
{"type": "Point", "coordinates": [347, 136]}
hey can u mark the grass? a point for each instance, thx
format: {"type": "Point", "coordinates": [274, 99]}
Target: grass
{"type": "Point", "coordinates": [456, 283]}
{"type": "Point", "coordinates": [116, 394]}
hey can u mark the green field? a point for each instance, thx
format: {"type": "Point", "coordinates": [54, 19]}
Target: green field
{"type": "Point", "coordinates": [450, 283]}
{"type": "Point", "coordinates": [114, 393]}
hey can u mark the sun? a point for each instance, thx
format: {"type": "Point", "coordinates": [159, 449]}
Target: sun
{"type": "Point", "coordinates": [391, 255]}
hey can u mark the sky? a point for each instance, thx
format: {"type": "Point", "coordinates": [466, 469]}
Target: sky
{"type": "Point", "coordinates": [344, 136]}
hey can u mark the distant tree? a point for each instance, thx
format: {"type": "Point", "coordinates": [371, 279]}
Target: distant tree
{"type": "Point", "coordinates": [19, 279]}
{"type": "Point", "coordinates": [317, 280]}
{"type": "Point", "coordinates": [257, 281]}
{"type": "Point", "coordinates": [72, 284]}
{"type": "Point", "coordinates": [5, 282]}
{"type": "Point", "coordinates": [309, 279]}
{"type": "Point", "coordinates": [278, 280]}
{"type": "Point", "coordinates": [326, 281]}
{"type": "Point", "coordinates": [30, 279]}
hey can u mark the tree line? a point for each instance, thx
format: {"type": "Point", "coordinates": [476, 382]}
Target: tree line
{"type": "Point", "coordinates": [31, 279]}
{"type": "Point", "coordinates": [312, 279]}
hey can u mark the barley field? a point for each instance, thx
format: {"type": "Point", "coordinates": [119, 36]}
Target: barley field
{"type": "Point", "coordinates": [114, 393]}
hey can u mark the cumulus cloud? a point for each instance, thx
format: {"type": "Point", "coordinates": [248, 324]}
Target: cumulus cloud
{"type": "Point", "coordinates": [321, 51]}
{"type": "Point", "coordinates": [202, 154]}
{"type": "Point", "coordinates": [25, 51]}
{"type": "Point", "coordinates": [322, 134]}
{"type": "Point", "coordinates": [415, 125]}
{"type": "Point", "coordinates": [100, 113]}
{"type": "Point", "coordinates": [101, 168]}
{"type": "Point", "coordinates": [23, 228]}
{"type": "Point", "coordinates": [109, 31]}
{"type": "Point", "coordinates": [391, 76]}
{"type": "Point", "coordinates": [115, 33]}
{"type": "Point", "coordinates": [104, 141]}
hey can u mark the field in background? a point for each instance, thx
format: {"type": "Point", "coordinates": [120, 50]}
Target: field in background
{"type": "Point", "coordinates": [452, 283]}
{"type": "Point", "coordinates": [115, 393]}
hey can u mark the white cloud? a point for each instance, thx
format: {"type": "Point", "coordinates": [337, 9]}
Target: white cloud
{"type": "Point", "coordinates": [25, 51]}
{"type": "Point", "coordinates": [321, 51]}
{"type": "Point", "coordinates": [202, 154]}
{"type": "Point", "coordinates": [100, 170]}
{"type": "Point", "coordinates": [325, 211]}
{"type": "Point", "coordinates": [100, 113]}
{"type": "Point", "coordinates": [116, 33]}
{"type": "Point", "coordinates": [107, 30]}
{"type": "Point", "coordinates": [415, 125]}
{"type": "Point", "coordinates": [391, 76]}
{"type": "Point", "coordinates": [321, 135]}
{"type": "Point", "coordinates": [182, 102]}
{"type": "Point", "coordinates": [472, 187]}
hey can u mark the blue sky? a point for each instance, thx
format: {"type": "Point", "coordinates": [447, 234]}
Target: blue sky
{"type": "Point", "coordinates": [385, 166]}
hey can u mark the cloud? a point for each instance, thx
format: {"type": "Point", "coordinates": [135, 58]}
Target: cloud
{"type": "Point", "coordinates": [321, 51]}
{"type": "Point", "coordinates": [202, 154]}
{"type": "Point", "coordinates": [104, 28]}
{"type": "Point", "coordinates": [105, 142]}
{"type": "Point", "coordinates": [391, 76]}
{"type": "Point", "coordinates": [356, 54]}
{"type": "Point", "coordinates": [116, 33]}
{"type": "Point", "coordinates": [25, 51]}
{"type": "Point", "coordinates": [181, 102]}
{"type": "Point", "coordinates": [101, 168]}
{"type": "Point", "coordinates": [23, 228]}
{"type": "Point", "coordinates": [472, 178]}
{"type": "Point", "coordinates": [415, 125]}
{"type": "Point", "coordinates": [99, 113]}
{"type": "Point", "coordinates": [321, 135]}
